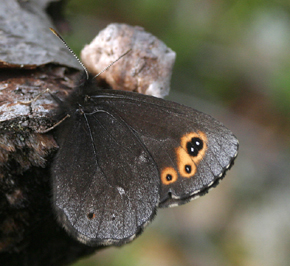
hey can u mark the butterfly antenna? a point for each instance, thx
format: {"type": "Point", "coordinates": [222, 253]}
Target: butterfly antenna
{"type": "Point", "coordinates": [113, 63]}
{"type": "Point", "coordinates": [73, 53]}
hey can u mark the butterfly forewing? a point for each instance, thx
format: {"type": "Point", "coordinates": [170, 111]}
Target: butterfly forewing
{"type": "Point", "coordinates": [169, 131]}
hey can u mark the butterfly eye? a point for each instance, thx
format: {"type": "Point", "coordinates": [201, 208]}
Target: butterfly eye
{"type": "Point", "coordinates": [91, 215]}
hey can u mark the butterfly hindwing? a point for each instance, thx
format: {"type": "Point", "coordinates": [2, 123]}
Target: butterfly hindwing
{"type": "Point", "coordinates": [106, 186]}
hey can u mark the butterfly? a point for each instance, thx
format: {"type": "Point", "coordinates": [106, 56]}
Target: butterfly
{"type": "Point", "coordinates": [122, 155]}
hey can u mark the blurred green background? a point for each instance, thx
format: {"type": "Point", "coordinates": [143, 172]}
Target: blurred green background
{"type": "Point", "coordinates": [233, 62]}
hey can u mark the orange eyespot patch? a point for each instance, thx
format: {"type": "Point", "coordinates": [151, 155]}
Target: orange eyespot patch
{"type": "Point", "coordinates": [168, 175]}
{"type": "Point", "coordinates": [186, 166]}
{"type": "Point", "coordinates": [190, 152]}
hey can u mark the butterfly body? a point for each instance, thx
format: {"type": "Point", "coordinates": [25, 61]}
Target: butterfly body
{"type": "Point", "coordinates": [123, 154]}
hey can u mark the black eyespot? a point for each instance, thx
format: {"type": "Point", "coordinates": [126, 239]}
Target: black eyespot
{"type": "Point", "coordinates": [194, 146]}
{"type": "Point", "coordinates": [91, 215]}
{"type": "Point", "coordinates": [198, 143]}
{"type": "Point", "coordinates": [188, 169]}
{"type": "Point", "coordinates": [169, 177]}
{"type": "Point", "coordinates": [191, 149]}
